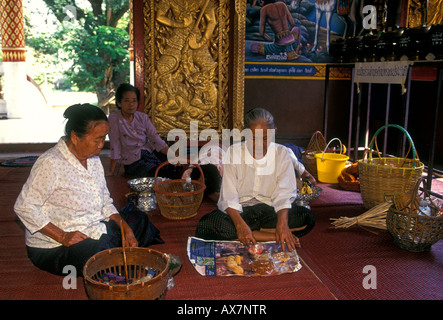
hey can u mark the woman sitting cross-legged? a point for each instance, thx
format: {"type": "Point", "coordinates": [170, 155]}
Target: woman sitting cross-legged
{"type": "Point", "coordinates": [257, 193]}
{"type": "Point", "coordinates": [65, 204]}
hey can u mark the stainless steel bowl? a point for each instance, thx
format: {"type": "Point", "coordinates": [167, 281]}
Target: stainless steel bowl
{"type": "Point", "coordinates": [306, 197]}
{"type": "Point", "coordinates": [144, 184]}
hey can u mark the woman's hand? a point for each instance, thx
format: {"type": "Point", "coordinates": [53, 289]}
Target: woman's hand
{"type": "Point", "coordinates": [283, 234]}
{"type": "Point", "coordinates": [65, 238]}
{"type": "Point", "coordinates": [244, 233]}
{"type": "Point", "coordinates": [306, 176]}
{"type": "Point", "coordinates": [71, 238]}
{"type": "Point", "coordinates": [130, 240]}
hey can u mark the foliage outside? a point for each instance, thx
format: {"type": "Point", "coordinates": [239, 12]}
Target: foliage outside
{"type": "Point", "coordinates": [82, 45]}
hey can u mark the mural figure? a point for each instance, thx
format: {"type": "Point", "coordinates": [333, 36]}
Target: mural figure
{"type": "Point", "coordinates": [286, 34]}
{"type": "Point", "coordinates": [343, 18]}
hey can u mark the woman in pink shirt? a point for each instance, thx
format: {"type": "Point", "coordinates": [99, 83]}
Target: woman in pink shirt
{"type": "Point", "coordinates": [134, 142]}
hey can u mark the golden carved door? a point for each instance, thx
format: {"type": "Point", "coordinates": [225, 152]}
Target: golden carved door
{"type": "Point", "coordinates": [194, 63]}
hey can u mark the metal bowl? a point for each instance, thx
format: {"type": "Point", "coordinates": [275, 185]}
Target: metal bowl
{"type": "Point", "coordinates": [306, 197]}
{"type": "Point", "coordinates": [146, 201]}
{"type": "Point", "coordinates": [144, 184]}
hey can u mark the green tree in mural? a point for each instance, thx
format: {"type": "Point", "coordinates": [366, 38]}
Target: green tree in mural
{"type": "Point", "coordinates": [93, 35]}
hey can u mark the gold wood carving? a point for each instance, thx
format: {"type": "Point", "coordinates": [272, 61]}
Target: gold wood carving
{"type": "Point", "coordinates": [187, 63]}
{"type": "Point", "coordinates": [435, 12]}
{"type": "Point", "coordinates": [424, 13]}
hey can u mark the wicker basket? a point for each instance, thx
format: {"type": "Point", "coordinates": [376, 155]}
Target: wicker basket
{"type": "Point", "coordinates": [316, 145]}
{"type": "Point", "coordinates": [386, 176]}
{"type": "Point", "coordinates": [411, 231]}
{"type": "Point", "coordinates": [137, 263]}
{"type": "Point", "coordinates": [173, 202]}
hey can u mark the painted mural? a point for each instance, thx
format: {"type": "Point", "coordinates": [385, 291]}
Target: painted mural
{"type": "Point", "coordinates": [289, 38]}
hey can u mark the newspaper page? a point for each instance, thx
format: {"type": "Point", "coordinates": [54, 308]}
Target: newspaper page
{"type": "Point", "coordinates": [232, 258]}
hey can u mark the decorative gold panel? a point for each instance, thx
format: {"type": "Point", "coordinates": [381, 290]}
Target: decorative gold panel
{"type": "Point", "coordinates": [189, 73]}
{"type": "Point", "coordinates": [424, 13]}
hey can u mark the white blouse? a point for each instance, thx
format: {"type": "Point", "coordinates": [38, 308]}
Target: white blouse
{"type": "Point", "coordinates": [270, 180]}
{"type": "Point", "coordinates": [60, 190]}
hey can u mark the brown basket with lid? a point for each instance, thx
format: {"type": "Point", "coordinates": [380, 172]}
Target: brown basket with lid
{"type": "Point", "coordinates": [388, 175]}
{"type": "Point", "coordinates": [173, 202]}
{"type": "Point", "coordinates": [410, 230]}
{"type": "Point", "coordinates": [316, 145]}
{"type": "Point", "coordinates": [133, 264]}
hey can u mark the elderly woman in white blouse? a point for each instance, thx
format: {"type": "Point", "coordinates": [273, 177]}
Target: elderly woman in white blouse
{"type": "Point", "coordinates": [65, 204]}
{"type": "Point", "coordinates": [257, 192]}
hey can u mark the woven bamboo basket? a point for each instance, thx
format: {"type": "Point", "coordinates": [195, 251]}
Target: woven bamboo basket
{"type": "Point", "coordinates": [138, 262]}
{"type": "Point", "coordinates": [173, 202]}
{"type": "Point", "coordinates": [386, 176]}
{"type": "Point", "coordinates": [316, 145]}
{"type": "Point", "coordinates": [410, 230]}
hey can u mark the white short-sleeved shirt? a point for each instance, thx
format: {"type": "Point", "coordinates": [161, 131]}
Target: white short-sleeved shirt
{"type": "Point", "coordinates": [60, 190]}
{"type": "Point", "coordinates": [270, 180]}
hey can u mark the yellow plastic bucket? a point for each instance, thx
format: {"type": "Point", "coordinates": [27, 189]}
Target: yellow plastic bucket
{"type": "Point", "coordinates": [330, 165]}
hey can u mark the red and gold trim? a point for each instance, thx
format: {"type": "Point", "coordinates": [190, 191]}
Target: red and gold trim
{"type": "Point", "coordinates": [131, 30]}
{"type": "Point", "coordinates": [12, 30]}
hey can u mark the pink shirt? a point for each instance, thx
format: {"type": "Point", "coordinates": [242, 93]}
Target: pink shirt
{"type": "Point", "coordinates": [127, 139]}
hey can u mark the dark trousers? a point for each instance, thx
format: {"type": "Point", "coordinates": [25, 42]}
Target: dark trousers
{"type": "Point", "coordinates": [212, 178]}
{"type": "Point", "coordinates": [54, 260]}
{"type": "Point", "coordinates": [148, 164]}
{"type": "Point", "coordinates": [218, 225]}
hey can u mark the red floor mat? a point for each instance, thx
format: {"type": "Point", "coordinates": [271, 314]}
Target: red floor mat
{"type": "Point", "coordinates": [333, 260]}
{"type": "Point", "coordinates": [339, 256]}
{"type": "Point", "coordinates": [190, 285]}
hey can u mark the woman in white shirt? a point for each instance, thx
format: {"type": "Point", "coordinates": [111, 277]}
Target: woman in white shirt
{"type": "Point", "coordinates": [258, 191]}
{"type": "Point", "coordinates": [65, 204]}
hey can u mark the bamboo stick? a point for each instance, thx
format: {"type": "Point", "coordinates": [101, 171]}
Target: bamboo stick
{"type": "Point", "coordinates": [374, 218]}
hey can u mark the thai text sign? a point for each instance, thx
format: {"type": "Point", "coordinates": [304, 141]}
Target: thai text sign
{"type": "Point", "coordinates": [381, 72]}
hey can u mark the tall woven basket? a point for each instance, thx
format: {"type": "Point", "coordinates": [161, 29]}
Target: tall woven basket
{"type": "Point", "coordinates": [380, 177]}
{"type": "Point", "coordinates": [135, 263]}
{"type": "Point", "coordinates": [410, 230]}
{"type": "Point", "coordinates": [316, 145]}
{"type": "Point", "coordinates": [173, 202]}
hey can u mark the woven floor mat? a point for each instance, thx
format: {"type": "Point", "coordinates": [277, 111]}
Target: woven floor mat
{"type": "Point", "coordinates": [339, 258]}
{"type": "Point", "coordinates": [190, 285]}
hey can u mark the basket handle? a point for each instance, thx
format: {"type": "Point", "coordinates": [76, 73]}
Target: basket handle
{"type": "Point", "coordinates": [425, 190]}
{"type": "Point", "coordinates": [201, 179]}
{"type": "Point", "coordinates": [411, 143]}
{"type": "Point", "coordinates": [341, 147]}
{"type": "Point", "coordinates": [124, 250]}
{"type": "Point", "coordinates": [314, 143]}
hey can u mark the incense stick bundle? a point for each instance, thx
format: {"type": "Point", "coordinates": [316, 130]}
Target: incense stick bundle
{"type": "Point", "coordinates": [374, 218]}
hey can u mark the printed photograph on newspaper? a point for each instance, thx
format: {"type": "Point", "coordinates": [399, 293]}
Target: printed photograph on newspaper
{"type": "Point", "coordinates": [232, 258]}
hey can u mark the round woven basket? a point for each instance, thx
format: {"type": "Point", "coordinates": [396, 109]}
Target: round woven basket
{"type": "Point", "coordinates": [380, 177]}
{"type": "Point", "coordinates": [138, 262]}
{"type": "Point", "coordinates": [173, 202]}
{"type": "Point", "coordinates": [412, 231]}
{"type": "Point", "coordinates": [316, 144]}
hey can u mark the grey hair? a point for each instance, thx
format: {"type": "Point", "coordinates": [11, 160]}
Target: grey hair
{"type": "Point", "coordinates": [259, 114]}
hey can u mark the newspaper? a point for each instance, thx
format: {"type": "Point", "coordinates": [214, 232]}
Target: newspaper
{"type": "Point", "coordinates": [232, 258]}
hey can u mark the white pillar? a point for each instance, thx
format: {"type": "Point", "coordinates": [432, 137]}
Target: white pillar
{"type": "Point", "coordinates": [14, 89]}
